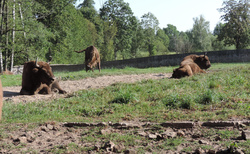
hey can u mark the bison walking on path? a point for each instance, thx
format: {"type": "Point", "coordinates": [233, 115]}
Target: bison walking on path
{"type": "Point", "coordinates": [37, 78]}
{"type": "Point", "coordinates": [191, 65]}
{"type": "Point", "coordinates": [92, 58]}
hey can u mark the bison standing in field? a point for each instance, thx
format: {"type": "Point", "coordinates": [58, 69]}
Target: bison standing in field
{"type": "Point", "coordinates": [191, 65]}
{"type": "Point", "coordinates": [1, 99]}
{"type": "Point", "coordinates": [92, 58]}
{"type": "Point", "coordinates": [37, 78]}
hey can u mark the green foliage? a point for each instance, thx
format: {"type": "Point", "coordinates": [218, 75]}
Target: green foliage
{"type": "Point", "coordinates": [56, 28]}
{"type": "Point", "coordinates": [236, 29]}
{"type": "Point", "coordinates": [201, 35]}
{"type": "Point", "coordinates": [162, 41]}
{"type": "Point", "coordinates": [119, 12]}
{"type": "Point", "coordinates": [71, 36]}
{"type": "Point", "coordinates": [88, 10]}
{"type": "Point", "coordinates": [150, 25]}
{"type": "Point", "coordinates": [172, 32]}
{"type": "Point", "coordinates": [109, 33]}
{"type": "Point", "coordinates": [179, 42]}
{"type": "Point", "coordinates": [183, 43]}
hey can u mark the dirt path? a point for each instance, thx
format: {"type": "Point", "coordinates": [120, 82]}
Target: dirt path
{"type": "Point", "coordinates": [12, 93]}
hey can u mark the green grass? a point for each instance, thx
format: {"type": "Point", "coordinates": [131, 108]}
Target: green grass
{"type": "Point", "coordinates": [218, 95]}
{"type": "Point", "coordinates": [221, 94]}
{"type": "Point", "coordinates": [11, 80]}
{"type": "Point", "coordinates": [16, 80]}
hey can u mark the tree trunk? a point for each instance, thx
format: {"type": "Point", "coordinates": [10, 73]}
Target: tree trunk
{"type": "Point", "coordinates": [13, 37]}
{"type": "Point", "coordinates": [24, 33]}
{"type": "Point", "coordinates": [1, 33]}
{"type": "Point", "coordinates": [7, 38]}
{"type": "Point", "coordinates": [21, 15]}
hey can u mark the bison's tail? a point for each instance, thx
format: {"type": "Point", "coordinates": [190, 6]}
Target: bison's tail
{"type": "Point", "coordinates": [99, 66]}
{"type": "Point", "coordinates": [80, 51]}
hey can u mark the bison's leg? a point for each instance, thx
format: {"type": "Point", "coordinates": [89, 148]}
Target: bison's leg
{"type": "Point", "coordinates": [25, 92]}
{"type": "Point", "coordinates": [174, 75]}
{"type": "Point", "coordinates": [201, 71]}
{"type": "Point", "coordinates": [43, 89]}
{"type": "Point", "coordinates": [55, 85]}
{"type": "Point", "coordinates": [86, 67]}
{"type": "Point", "coordinates": [196, 69]}
{"type": "Point", "coordinates": [189, 71]}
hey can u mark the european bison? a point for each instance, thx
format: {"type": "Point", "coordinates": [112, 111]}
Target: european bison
{"type": "Point", "coordinates": [1, 99]}
{"type": "Point", "coordinates": [191, 65]}
{"type": "Point", "coordinates": [37, 78]}
{"type": "Point", "coordinates": [92, 58]}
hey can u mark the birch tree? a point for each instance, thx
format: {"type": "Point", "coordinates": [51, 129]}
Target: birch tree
{"type": "Point", "coordinates": [7, 36]}
{"type": "Point", "coordinates": [1, 34]}
{"type": "Point", "coordinates": [13, 36]}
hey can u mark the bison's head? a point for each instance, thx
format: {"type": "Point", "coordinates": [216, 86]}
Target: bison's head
{"type": "Point", "coordinates": [203, 61]}
{"type": "Point", "coordinates": [43, 73]}
{"type": "Point", "coordinates": [88, 67]}
{"type": "Point", "coordinates": [179, 73]}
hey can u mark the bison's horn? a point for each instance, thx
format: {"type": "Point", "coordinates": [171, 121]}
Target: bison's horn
{"type": "Point", "coordinates": [50, 59]}
{"type": "Point", "coordinates": [36, 62]}
{"type": "Point", "coordinates": [205, 54]}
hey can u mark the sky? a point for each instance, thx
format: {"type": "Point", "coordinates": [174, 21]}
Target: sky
{"type": "Point", "coordinates": [179, 13]}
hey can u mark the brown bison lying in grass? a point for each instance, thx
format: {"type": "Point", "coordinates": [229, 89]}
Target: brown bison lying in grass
{"type": "Point", "coordinates": [191, 65]}
{"type": "Point", "coordinates": [37, 78]}
{"type": "Point", "coordinates": [92, 58]}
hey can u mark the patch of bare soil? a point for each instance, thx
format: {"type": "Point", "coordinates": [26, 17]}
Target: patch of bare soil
{"type": "Point", "coordinates": [12, 93]}
{"type": "Point", "coordinates": [103, 138]}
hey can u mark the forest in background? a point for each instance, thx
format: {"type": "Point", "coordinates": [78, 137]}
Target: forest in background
{"type": "Point", "coordinates": [31, 29]}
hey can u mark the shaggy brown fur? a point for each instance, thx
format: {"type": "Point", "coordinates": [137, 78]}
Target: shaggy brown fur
{"type": "Point", "coordinates": [92, 58]}
{"type": "Point", "coordinates": [37, 78]}
{"type": "Point", "coordinates": [191, 65]}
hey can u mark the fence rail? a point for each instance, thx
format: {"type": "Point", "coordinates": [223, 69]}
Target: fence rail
{"type": "Point", "coordinates": [226, 56]}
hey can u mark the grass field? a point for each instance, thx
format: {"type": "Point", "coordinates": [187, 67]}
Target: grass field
{"type": "Point", "coordinates": [221, 94]}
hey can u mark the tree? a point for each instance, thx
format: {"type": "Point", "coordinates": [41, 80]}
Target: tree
{"type": "Point", "coordinates": [137, 37]}
{"type": "Point", "coordinates": [107, 48]}
{"type": "Point", "coordinates": [1, 34]}
{"type": "Point", "coordinates": [216, 43]}
{"type": "Point", "coordinates": [71, 32]}
{"type": "Point", "coordinates": [162, 41]}
{"type": "Point", "coordinates": [88, 10]}
{"type": "Point", "coordinates": [172, 32]}
{"type": "Point", "coordinates": [119, 12]}
{"type": "Point", "coordinates": [7, 28]}
{"type": "Point", "coordinates": [237, 20]}
{"type": "Point", "coordinates": [183, 43]}
{"type": "Point", "coordinates": [201, 35]}
{"type": "Point", "coordinates": [150, 25]}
